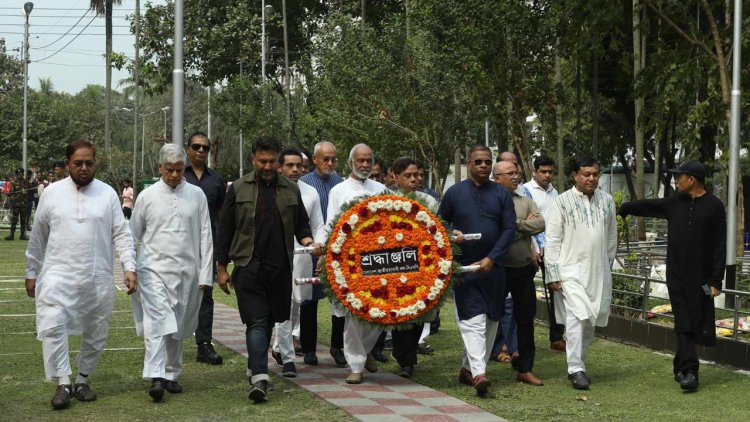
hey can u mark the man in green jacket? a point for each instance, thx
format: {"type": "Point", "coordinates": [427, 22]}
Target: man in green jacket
{"type": "Point", "coordinates": [263, 213]}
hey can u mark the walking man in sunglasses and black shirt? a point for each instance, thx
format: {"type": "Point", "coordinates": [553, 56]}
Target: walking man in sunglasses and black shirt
{"type": "Point", "coordinates": [212, 184]}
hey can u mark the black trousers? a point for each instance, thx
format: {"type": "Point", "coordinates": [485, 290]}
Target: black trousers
{"type": "Point", "coordinates": [337, 332]}
{"type": "Point", "coordinates": [686, 358]}
{"type": "Point", "coordinates": [308, 326]}
{"type": "Point", "coordinates": [519, 282]}
{"type": "Point", "coordinates": [380, 342]}
{"type": "Point", "coordinates": [555, 330]}
{"type": "Point", "coordinates": [405, 344]}
{"type": "Point", "coordinates": [204, 331]}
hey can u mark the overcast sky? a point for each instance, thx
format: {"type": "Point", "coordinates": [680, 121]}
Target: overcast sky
{"type": "Point", "coordinates": [63, 47]}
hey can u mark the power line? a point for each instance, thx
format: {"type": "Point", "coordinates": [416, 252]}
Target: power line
{"type": "Point", "coordinates": [69, 42]}
{"type": "Point", "coordinates": [43, 25]}
{"type": "Point", "coordinates": [66, 32]}
{"type": "Point", "coordinates": [58, 33]}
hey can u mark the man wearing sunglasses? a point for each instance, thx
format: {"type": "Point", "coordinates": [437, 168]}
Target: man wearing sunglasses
{"type": "Point", "coordinates": [197, 173]}
{"type": "Point", "coordinates": [477, 205]}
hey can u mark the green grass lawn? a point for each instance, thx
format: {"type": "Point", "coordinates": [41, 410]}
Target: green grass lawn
{"type": "Point", "coordinates": [629, 383]}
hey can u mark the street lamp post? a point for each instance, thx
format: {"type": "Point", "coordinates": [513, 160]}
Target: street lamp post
{"type": "Point", "coordinates": [178, 77]}
{"type": "Point", "coordinates": [265, 9]}
{"type": "Point", "coordinates": [27, 8]}
{"type": "Point", "coordinates": [135, 144]}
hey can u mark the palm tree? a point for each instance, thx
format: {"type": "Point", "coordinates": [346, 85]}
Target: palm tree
{"type": "Point", "coordinates": [104, 7]}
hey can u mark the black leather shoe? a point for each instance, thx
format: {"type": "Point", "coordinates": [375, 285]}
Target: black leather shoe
{"type": "Point", "coordinates": [61, 399]}
{"type": "Point", "coordinates": [689, 382]}
{"type": "Point", "coordinates": [23, 237]}
{"type": "Point", "coordinates": [157, 389]}
{"type": "Point", "coordinates": [207, 354]}
{"type": "Point", "coordinates": [425, 349]}
{"type": "Point", "coordinates": [678, 376]}
{"type": "Point", "coordinates": [173, 387]}
{"type": "Point", "coordinates": [311, 359]}
{"type": "Point", "coordinates": [579, 380]}
{"type": "Point", "coordinates": [258, 392]}
{"type": "Point", "coordinates": [10, 237]}
{"type": "Point", "coordinates": [406, 372]}
{"type": "Point", "coordinates": [83, 392]}
{"type": "Point", "coordinates": [289, 370]}
{"type": "Point", "coordinates": [277, 357]}
{"type": "Point", "coordinates": [338, 357]}
{"type": "Point", "coordinates": [379, 356]}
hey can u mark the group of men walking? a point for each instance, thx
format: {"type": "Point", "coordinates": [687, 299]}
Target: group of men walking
{"type": "Point", "coordinates": [272, 210]}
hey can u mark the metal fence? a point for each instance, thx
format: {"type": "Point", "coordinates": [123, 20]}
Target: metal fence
{"type": "Point", "coordinates": [648, 254]}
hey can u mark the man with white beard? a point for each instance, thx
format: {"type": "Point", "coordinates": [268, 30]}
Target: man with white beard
{"type": "Point", "coordinates": [175, 263]}
{"type": "Point", "coordinates": [79, 224]}
{"type": "Point", "coordinates": [358, 338]}
{"type": "Point", "coordinates": [291, 166]}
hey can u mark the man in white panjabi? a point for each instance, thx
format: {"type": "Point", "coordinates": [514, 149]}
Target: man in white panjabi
{"type": "Point", "coordinates": [79, 224]}
{"type": "Point", "coordinates": [172, 222]}
{"type": "Point", "coordinates": [358, 338]}
{"type": "Point", "coordinates": [581, 246]}
{"type": "Point", "coordinates": [291, 167]}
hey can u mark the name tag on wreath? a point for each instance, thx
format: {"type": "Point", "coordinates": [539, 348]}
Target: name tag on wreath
{"type": "Point", "coordinates": [389, 260]}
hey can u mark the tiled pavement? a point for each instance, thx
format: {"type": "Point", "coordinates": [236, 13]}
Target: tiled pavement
{"type": "Point", "coordinates": [381, 397]}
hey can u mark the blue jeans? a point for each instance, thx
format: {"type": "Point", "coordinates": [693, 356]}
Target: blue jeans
{"type": "Point", "coordinates": [257, 338]}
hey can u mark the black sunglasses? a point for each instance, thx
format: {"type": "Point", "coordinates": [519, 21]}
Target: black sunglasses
{"type": "Point", "coordinates": [198, 147]}
{"type": "Point", "coordinates": [480, 162]}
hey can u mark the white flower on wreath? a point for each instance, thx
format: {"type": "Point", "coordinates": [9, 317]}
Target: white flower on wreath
{"type": "Point", "coordinates": [403, 279]}
{"type": "Point", "coordinates": [439, 284]}
{"type": "Point", "coordinates": [397, 205]}
{"type": "Point", "coordinates": [383, 282]}
{"type": "Point", "coordinates": [353, 219]}
{"type": "Point", "coordinates": [406, 207]}
{"type": "Point", "coordinates": [389, 204]}
{"type": "Point", "coordinates": [373, 206]}
{"type": "Point", "coordinates": [445, 266]}
{"type": "Point", "coordinates": [431, 295]}
{"type": "Point", "coordinates": [422, 217]}
{"type": "Point", "coordinates": [399, 236]}
{"type": "Point", "coordinates": [336, 248]}
{"type": "Point", "coordinates": [421, 305]}
{"type": "Point", "coordinates": [376, 313]}
{"type": "Point", "coordinates": [381, 240]}
{"type": "Point", "coordinates": [335, 264]}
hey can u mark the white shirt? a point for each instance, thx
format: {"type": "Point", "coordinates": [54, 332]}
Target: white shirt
{"type": "Point", "coordinates": [347, 191]}
{"type": "Point", "coordinates": [71, 254]}
{"type": "Point", "coordinates": [176, 256]}
{"type": "Point", "coordinates": [581, 246]}
{"type": "Point", "coordinates": [543, 198]}
{"type": "Point", "coordinates": [303, 265]}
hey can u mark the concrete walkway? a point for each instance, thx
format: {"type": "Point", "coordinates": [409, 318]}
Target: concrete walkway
{"type": "Point", "coordinates": [381, 397]}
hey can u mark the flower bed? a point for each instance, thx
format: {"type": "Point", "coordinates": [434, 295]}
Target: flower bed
{"type": "Point", "coordinates": [389, 260]}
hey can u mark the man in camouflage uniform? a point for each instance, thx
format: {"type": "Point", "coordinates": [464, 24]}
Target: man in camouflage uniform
{"type": "Point", "coordinates": [18, 197]}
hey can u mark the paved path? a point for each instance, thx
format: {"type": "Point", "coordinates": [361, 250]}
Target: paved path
{"type": "Point", "coordinates": [382, 396]}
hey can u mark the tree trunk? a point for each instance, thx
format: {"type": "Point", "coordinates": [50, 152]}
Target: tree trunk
{"type": "Point", "coordinates": [108, 88]}
{"type": "Point", "coordinates": [595, 102]}
{"type": "Point", "coordinates": [638, 60]}
{"type": "Point", "coordinates": [558, 120]}
{"type": "Point", "coordinates": [286, 75]}
{"type": "Point", "coordinates": [628, 175]}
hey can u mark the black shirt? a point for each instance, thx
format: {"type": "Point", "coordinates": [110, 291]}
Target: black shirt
{"type": "Point", "coordinates": [212, 185]}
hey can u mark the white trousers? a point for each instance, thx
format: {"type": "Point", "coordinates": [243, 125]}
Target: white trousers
{"type": "Point", "coordinates": [358, 342]}
{"type": "Point", "coordinates": [579, 334]}
{"type": "Point", "coordinates": [478, 334]}
{"type": "Point", "coordinates": [283, 341]}
{"type": "Point", "coordinates": [425, 333]}
{"type": "Point", "coordinates": [163, 358]}
{"type": "Point", "coordinates": [57, 355]}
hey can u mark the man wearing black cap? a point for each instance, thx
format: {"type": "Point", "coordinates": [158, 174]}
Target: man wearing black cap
{"type": "Point", "coordinates": [695, 262]}
{"type": "Point", "coordinates": [17, 197]}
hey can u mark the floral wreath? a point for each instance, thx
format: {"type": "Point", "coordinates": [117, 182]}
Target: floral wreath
{"type": "Point", "coordinates": [389, 260]}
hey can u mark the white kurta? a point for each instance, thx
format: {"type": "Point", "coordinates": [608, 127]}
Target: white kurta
{"type": "Point", "coordinates": [176, 256]}
{"type": "Point", "coordinates": [342, 193]}
{"type": "Point", "coordinates": [71, 254]}
{"type": "Point", "coordinates": [581, 246]}
{"type": "Point", "coordinates": [303, 265]}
